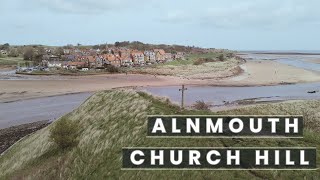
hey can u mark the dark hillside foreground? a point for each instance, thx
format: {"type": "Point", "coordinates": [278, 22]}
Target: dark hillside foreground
{"type": "Point", "coordinates": [111, 120]}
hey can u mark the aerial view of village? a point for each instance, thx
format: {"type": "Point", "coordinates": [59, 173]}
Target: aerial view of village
{"type": "Point", "coordinates": [68, 104]}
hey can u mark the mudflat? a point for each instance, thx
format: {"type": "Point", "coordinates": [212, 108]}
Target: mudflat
{"type": "Point", "coordinates": [254, 73]}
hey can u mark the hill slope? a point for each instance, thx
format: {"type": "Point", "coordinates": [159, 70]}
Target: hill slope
{"type": "Point", "coordinates": [111, 120]}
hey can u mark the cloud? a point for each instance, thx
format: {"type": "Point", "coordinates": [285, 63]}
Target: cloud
{"type": "Point", "coordinates": [245, 13]}
{"type": "Point", "coordinates": [84, 6]}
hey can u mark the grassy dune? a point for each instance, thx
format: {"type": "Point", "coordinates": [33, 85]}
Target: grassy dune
{"type": "Point", "coordinates": [187, 68]}
{"type": "Point", "coordinates": [111, 120]}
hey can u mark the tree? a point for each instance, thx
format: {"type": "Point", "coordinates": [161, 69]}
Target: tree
{"type": "Point", "coordinates": [40, 50]}
{"type": "Point", "coordinates": [5, 46]}
{"type": "Point", "coordinates": [117, 44]}
{"type": "Point", "coordinates": [13, 52]}
{"type": "Point", "coordinates": [28, 53]}
{"type": "Point", "coordinates": [59, 51]}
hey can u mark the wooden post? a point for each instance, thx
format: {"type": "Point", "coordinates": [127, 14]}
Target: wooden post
{"type": "Point", "coordinates": [182, 95]}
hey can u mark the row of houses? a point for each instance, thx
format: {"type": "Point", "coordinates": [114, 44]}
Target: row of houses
{"type": "Point", "coordinates": [116, 57]}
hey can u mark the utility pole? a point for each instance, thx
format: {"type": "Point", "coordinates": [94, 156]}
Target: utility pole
{"type": "Point", "coordinates": [182, 95]}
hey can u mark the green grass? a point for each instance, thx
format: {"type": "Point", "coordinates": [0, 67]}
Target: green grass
{"type": "Point", "coordinates": [191, 58]}
{"type": "Point", "coordinates": [12, 61]}
{"type": "Point", "coordinates": [111, 120]}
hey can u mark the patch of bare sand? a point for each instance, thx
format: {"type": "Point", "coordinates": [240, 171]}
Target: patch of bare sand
{"type": "Point", "coordinates": [12, 90]}
{"type": "Point", "coordinates": [271, 73]}
{"type": "Point", "coordinates": [317, 61]}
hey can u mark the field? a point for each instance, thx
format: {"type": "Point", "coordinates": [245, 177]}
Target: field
{"type": "Point", "coordinates": [12, 61]}
{"type": "Point", "coordinates": [111, 120]}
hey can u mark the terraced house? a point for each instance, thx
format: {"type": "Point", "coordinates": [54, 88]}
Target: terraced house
{"type": "Point", "coordinates": [137, 57]}
{"type": "Point", "coordinates": [160, 55]}
{"type": "Point", "coordinates": [99, 59]}
{"type": "Point", "coordinates": [150, 56]}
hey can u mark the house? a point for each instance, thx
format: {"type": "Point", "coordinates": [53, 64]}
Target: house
{"type": "Point", "coordinates": [54, 64]}
{"type": "Point", "coordinates": [91, 61]}
{"type": "Point", "coordinates": [150, 56]}
{"type": "Point", "coordinates": [179, 55]}
{"type": "Point", "coordinates": [137, 57]}
{"type": "Point", "coordinates": [54, 58]}
{"type": "Point", "coordinates": [66, 51]}
{"type": "Point", "coordinates": [168, 56]}
{"type": "Point", "coordinates": [126, 61]}
{"type": "Point", "coordinates": [76, 65]}
{"type": "Point", "coordinates": [124, 53]}
{"type": "Point", "coordinates": [114, 60]}
{"type": "Point", "coordinates": [160, 55]}
{"type": "Point", "coordinates": [70, 57]}
{"type": "Point", "coordinates": [100, 62]}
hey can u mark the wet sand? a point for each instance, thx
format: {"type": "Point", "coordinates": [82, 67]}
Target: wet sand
{"type": "Point", "coordinates": [255, 73]}
{"type": "Point", "coordinates": [13, 90]}
{"type": "Point", "coordinates": [32, 110]}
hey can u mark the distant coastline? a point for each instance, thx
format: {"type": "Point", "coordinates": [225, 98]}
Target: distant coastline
{"type": "Point", "coordinates": [288, 52]}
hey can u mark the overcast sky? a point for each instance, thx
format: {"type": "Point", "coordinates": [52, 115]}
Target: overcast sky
{"type": "Point", "coordinates": [232, 24]}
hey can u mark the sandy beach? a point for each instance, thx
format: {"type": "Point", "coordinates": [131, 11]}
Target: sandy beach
{"type": "Point", "coordinates": [317, 61]}
{"type": "Point", "coordinates": [255, 73]}
{"type": "Point", "coordinates": [272, 73]}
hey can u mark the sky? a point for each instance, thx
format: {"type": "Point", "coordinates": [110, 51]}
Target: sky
{"type": "Point", "coordinates": [231, 24]}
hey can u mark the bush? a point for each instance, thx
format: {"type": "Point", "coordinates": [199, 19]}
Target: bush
{"type": "Point", "coordinates": [112, 69]}
{"type": "Point", "coordinates": [221, 57]}
{"type": "Point", "coordinates": [203, 60]}
{"type": "Point", "coordinates": [201, 105]}
{"type": "Point", "coordinates": [64, 133]}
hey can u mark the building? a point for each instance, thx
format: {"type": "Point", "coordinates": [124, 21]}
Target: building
{"type": "Point", "coordinates": [91, 60]}
{"type": "Point", "coordinates": [150, 56]}
{"type": "Point", "coordinates": [114, 60]}
{"type": "Point", "coordinates": [160, 55]}
{"type": "Point", "coordinates": [179, 55]}
{"type": "Point", "coordinates": [138, 58]}
{"type": "Point", "coordinates": [126, 61]}
{"type": "Point", "coordinates": [76, 65]}
{"type": "Point", "coordinates": [54, 64]}
{"type": "Point", "coordinates": [168, 57]}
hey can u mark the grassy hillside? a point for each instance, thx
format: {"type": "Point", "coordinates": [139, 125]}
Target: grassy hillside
{"type": "Point", "coordinates": [111, 120]}
{"type": "Point", "coordinates": [187, 68]}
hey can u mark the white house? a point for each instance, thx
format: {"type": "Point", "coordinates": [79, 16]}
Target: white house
{"type": "Point", "coordinates": [54, 64]}
{"type": "Point", "coordinates": [138, 58]}
{"type": "Point", "coordinates": [150, 56]}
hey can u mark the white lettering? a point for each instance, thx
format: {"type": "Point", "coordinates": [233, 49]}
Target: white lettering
{"type": "Point", "coordinates": [231, 125]}
{"type": "Point", "coordinates": [252, 127]}
{"type": "Point", "coordinates": [264, 157]}
{"type": "Point", "coordinates": [158, 126]}
{"type": "Point", "coordinates": [195, 126]}
{"type": "Point", "coordinates": [214, 128]}
{"type": "Point", "coordinates": [133, 159]}
{"type": "Point", "coordinates": [209, 160]}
